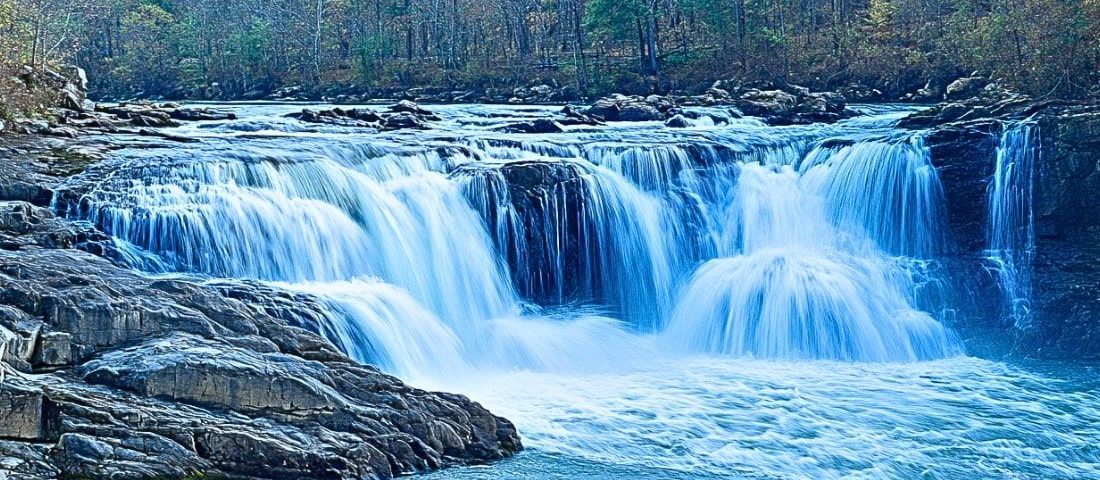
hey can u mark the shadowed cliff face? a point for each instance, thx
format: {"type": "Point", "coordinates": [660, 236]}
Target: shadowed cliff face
{"type": "Point", "coordinates": [1063, 317]}
{"type": "Point", "coordinates": [107, 373]}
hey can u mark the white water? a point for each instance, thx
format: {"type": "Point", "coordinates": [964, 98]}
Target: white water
{"type": "Point", "coordinates": [1011, 225]}
{"type": "Point", "coordinates": [729, 299]}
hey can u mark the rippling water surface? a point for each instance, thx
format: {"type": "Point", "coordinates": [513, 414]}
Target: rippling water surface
{"type": "Point", "coordinates": [707, 417]}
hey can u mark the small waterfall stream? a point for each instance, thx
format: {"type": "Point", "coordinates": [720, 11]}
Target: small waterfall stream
{"type": "Point", "coordinates": [1011, 223]}
{"type": "Point", "coordinates": [461, 258]}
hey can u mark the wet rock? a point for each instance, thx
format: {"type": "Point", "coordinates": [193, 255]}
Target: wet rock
{"type": "Point", "coordinates": [574, 116]}
{"type": "Point", "coordinates": [177, 112]}
{"type": "Point", "coordinates": [541, 125]}
{"type": "Point", "coordinates": [172, 377]}
{"type": "Point", "coordinates": [145, 132]}
{"type": "Point", "coordinates": [67, 132]}
{"type": "Point", "coordinates": [136, 377]}
{"type": "Point", "coordinates": [640, 113]}
{"type": "Point", "coordinates": [620, 108]}
{"type": "Point", "coordinates": [403, 121]}
{"type": "Point", "coordinates": [362, 118]}
{"type": "Point", "coordinates": [963, 139]}
{"type": "Point", "coordinates": [406, 106]}
{"type": "Point", "coordinates": [678, 121]}
{"type": "Point", "coordinates": [152, 119]}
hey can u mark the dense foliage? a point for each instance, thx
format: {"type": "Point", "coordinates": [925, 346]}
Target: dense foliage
{"type": "Point", "coordinates": [220, 48]}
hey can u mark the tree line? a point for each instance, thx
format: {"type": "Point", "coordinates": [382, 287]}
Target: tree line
{"type": "Point", "coordinates": [230, 48]}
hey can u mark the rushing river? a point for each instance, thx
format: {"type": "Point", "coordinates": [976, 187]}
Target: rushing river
{"type": "Point", "coordinates": [730, 300]}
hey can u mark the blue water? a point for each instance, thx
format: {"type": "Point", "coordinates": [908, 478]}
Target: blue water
{"type": "Point", "coordinates": [731, 300]}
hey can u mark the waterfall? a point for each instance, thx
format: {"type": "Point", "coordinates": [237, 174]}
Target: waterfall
{"type": "Point", "coordinates": [794, 285]}
{"type": "Point", "coordinates": [441, 254]}
{"type": "Point", "coordinates": [1011, 223]}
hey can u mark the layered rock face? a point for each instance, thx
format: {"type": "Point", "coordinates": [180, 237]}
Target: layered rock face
{"type": "Point", "coordinates": [1065, 272]}
{"type": "Point", "coordinates": [106, 373]}
{"type": "Point", "coordinates": [1067, 208]}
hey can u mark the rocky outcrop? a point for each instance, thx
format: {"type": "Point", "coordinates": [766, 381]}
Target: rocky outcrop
{"type": "Point", "coordinates": [993, 102]}
{"type": "Point", "coordinates": [622, 108]}
{"type": "Point", "coordinates": [965, 88]}
{"type": "Point", "coordinates": [963, 137]}
{"type": "Point", "coordinates": [547, 200]}
{"type": "Point", "coordinates": [105, 373]}
{"type": "Point", "coordinates": [401, 116]}
{"type": "Point", "coordinates": [777, 104]}
{"type": "Point", "coordinates": [542, 125]}
{"type": "Point", "coordinates": [1067, 222]}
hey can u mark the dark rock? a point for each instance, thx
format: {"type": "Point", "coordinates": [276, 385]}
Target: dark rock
{"type": "Point", "coordinates": [541, 125]}
{"type": "Point", "coordinates": [196, 114]}
{"type": "Point", "coordinates": [67, 132]}
{"type": "Point", "coordinates": [22, 414]}
{"type": "Point", "coordinates": [152, 119]}
{"type": "Point", "coordinates": [406, 106]}
{"type": "Point", "coordinates": [404, 121]}
{"type": "Point", "coordinates": [577, 117]}
{"type": "Point", "coordinates": [640, 113]}
{"type": "Point", "coordinates": [54, 350]}
{"type": "Point", "coordinates": [145, 132]}
{"type": "Point", "coordinates": [963, 140]}
{"type": "Point", "coordinates": [858, 92]}
{"type": "Point", "coordinates": [356, 118]}
{"type": "Point", "coordinates": [606, 109]}
{"type": "Point", "coordinates": [619, 108]}
{"type": "Point", "coordinates": [678, 121]}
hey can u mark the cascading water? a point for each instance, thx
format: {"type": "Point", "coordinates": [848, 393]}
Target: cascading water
{"type": "Point", "coordinates": [1011, 224]}
{"type": "Point", "coordinates": [797, 287]}
{"type": "Point", "coordinates": [606, 287]}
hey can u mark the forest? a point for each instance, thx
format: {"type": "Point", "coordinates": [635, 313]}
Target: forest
{"type": "Point", "coordinates": [225, 49]}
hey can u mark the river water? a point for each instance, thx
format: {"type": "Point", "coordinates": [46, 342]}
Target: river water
{"type": "Point", "coordinates": [730, 300]}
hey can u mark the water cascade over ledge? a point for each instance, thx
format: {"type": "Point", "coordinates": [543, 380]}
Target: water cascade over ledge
{"type": "Point", "coordinates": [460, 256]}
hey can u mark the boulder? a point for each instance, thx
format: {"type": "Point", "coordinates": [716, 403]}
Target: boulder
{"type": "Point", "coordinates": [640, 113]}
{"type": "Point", "coordinates": [541, 125]}
{"type": "Point", "coordinates": [362, 118]}
{"type": "Point", "coordinates": [406, 106]}
{"type": "Point", "coordinates": [72, 98]}
{"type": "Point", "coordinates": [965, 87]}
{"type": "Point", "coordinates": [678, 121]}
{"type": "Point", "coordinates": [768, 103]}
{"type": "Point", "coordinates": [573, 116]}
{"type": "Point", "coordinates": [22, 414]}
{"type": "Point", "coordinates": [403, 121]}
{"type": "Point", "coordinates": [54, 350]}
{"type": "Point", "coordinates": [859, 92]}
{"type": "Point", "coordinates": [619, 108]}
